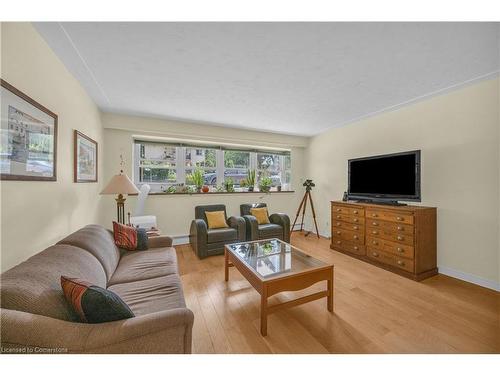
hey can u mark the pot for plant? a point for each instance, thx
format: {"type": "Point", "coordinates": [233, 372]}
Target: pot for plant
{"type": "Point", "coordinates": [205, 189]}
{"type": "Point", "coordinates": [250, 188]}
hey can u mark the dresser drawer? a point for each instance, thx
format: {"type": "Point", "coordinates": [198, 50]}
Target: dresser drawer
{"type": "Point", "coordinates": [347, 235]}
{"type": "Point", "coordinates": [350, 247]}
{"type": "Point", "coordinates": [390, 226]}
{"type": "Point", "coordinates": [398, 249]}
{"type": "Point", "coordinates": [374, 242]}
{"type": "Point", "coordinates": [389, 216]}
{"type": "Point", "coordinates": [399, 238]}
{"type": "Point", "coordinates": [348, 218]}
{"type": "Point", "coordinates": [349, 226]}
{"type": "Point", "coordinates": [390, 259]}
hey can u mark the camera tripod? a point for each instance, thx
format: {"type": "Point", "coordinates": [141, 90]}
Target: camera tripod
{"type": "Point", "coordinates": [303, 204]}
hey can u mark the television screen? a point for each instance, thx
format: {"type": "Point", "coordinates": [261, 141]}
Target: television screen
{"type": "Point", "coordinates": [395, 176]}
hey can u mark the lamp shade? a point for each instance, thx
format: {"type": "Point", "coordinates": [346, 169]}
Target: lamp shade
{"type": "Point", "coordinates": [120, 184]}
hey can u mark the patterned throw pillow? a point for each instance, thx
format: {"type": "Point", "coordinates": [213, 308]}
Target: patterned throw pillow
{"type": "Point", "coordinates": [261, 215]}
{"type": "Point", "coordinates": [94, 304]}
{"type": "Point", "coordinates": [130, 238]}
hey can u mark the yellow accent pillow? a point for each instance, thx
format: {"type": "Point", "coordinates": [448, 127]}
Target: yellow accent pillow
{"type": "Point", "coordinates": [260, 214]}
{"type": "Point", "coordinates": [216, 219]}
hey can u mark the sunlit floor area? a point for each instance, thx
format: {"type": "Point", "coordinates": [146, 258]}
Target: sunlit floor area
{"type": "Point", "coordinates": [375, 311]}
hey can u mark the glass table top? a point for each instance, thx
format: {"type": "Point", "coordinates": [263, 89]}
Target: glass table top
{"type": "Point", "coordinates": [268, 258]}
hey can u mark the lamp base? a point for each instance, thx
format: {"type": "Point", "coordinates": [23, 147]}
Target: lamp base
{"type": "Point", "coordinates": [120, 207]}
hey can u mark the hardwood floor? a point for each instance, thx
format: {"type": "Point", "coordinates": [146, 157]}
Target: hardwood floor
{"type": "Point", "coordinates": [375, 311]}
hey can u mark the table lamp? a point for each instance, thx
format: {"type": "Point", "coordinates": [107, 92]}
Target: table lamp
{"type": "Point", "coordinates": [120, 184]}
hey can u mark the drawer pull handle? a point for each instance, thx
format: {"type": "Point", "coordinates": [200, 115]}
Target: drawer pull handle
{"type": "Point", "coordinates": [374, 215]}
{"type": "Point", "coordinates": [338, 216]}
{"type": "Point", "coordinates": [375, 232]}
{"type": "Point", "coordinates": [356, 220]}
{"type": "Point", "coordinates": [355, 227]}
{"type": "Point", "coordinates": [399, 218]}
{"type": "Point", "coordinates": [355, 212]}
{"type": "Point", "coordinates": [401, 263]}
{"type": "Point", "coordinates": [355, 236]}
{"type": "Point", "coordinates": [400, 238]}
{"type": "Point", "coordinates": [375, 224]}
{"type": "Point", "coordinates": [338, 210]}
{"type": "Point", "coordinates": [355, 248]}
{"type": "Point", "coordinates": [400, 228]}
{"type": "Point", "coordinates": [338, 224]}
{"type": "Point", "coordinates": [338, 233]}
{"type": "Point", "coordinates": [375, 254]}
{"type": "Point", "coordinates": [375, 242]}
{"type": "Point", "coordinates": [400, 250]}
{"type": "Point", "coordinates": [339, 242]}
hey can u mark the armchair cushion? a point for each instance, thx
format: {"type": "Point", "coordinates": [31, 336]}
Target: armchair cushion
{"type": "Point", "coordinates": [222, 234]}
{"type": "Point", "coordinates": [260, 214]}
{"type": "Point", "coordinates": [270, 231]}
{"type": "Point", "coordinates": [216, 219]}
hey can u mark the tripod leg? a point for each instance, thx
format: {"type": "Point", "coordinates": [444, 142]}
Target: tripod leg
{"type": "Point", "coordinates": [314, 215]}
{"type": "Point", "coordinates": [298, 213]}
{"type": "Point", "coordinates": [304, 210]}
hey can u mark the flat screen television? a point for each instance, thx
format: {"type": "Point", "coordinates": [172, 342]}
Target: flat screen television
{"type": "Point", "coordinates": [385, 178]}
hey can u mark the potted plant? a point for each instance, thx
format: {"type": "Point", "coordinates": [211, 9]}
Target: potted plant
{"type": "Point", "coordinates": [229, 185]}
{"type": "Point", "coordinates": [205, 189]}
{"type": "Point", "coordinates": [250, 180]}
{"type": "Point", "coordinates": [196, 177]}
{"type": "Point", "coordinates": [265, 184]}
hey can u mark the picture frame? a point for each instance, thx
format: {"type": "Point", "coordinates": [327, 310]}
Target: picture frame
{"type": "Point", "coordinates": [86, 162]}
{"type": "Point", "coordinates": [28, 137]}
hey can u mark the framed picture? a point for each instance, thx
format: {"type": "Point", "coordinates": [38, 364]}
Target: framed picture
{"type": "Point", "coordinates": [28, 138]}
{"type": "Point", "coordinates": [85, 166]}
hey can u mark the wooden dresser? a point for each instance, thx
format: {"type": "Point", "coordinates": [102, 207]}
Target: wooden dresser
{"type": "Point", "coordinates": [401, 239]}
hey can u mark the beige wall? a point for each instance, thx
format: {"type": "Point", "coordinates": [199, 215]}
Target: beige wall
{"type": "Point", "coordinates": [36, 214]}
{"type": "Point", "coordinates": [458, 134]}
{"type": "Point", "coordinates": [175, 212]}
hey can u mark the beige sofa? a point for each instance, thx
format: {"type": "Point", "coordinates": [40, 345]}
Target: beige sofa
{"type": "Point", "coordinates": [35, 316]}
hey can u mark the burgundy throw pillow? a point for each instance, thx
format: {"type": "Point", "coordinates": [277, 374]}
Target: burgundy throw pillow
{"type": "Point", "coordinates": [130, 238]}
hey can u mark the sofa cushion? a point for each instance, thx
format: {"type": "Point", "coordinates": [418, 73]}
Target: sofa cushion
{"type": "Point", "coordinates": [140, 265]}
{"type": "Point", "coordinates": [270, 231]}
{"type": "Point", "coordinates": [98, 241]}
{"type": "Point", "coordinates": [151, 295]}
{"type": "Point", "coordinates": [222, 235]}
{"type": "Point", "coordinates": [92, 303]}
{"type": "Point", "coordinates": [34, 285]}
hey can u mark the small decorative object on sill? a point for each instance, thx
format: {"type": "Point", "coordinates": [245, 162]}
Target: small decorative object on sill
{"type": "Point", "coordinates": [279, 187]}
{"type": "Point", "coordinates": [205, 189]}
{"type": "Point", "coordinates": [344, 198]}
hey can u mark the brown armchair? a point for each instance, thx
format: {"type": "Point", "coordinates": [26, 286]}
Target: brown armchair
{"type": "Point", "coordinates": [206, 242]}
{"type": "Point", "coordinates": [279, 226]}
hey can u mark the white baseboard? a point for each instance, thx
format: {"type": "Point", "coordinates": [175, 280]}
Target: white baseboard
{"type": "Point", "coordinates": [182, 239]}
{"type": "Point", "coordinates": [490, 284]}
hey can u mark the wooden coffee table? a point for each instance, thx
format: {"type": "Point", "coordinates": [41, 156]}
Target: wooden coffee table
{"type": "Point", "coordinates": [273, 266]}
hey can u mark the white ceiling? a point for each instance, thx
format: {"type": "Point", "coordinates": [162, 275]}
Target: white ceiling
{"type": "Point", "coordinates": [294, 78]}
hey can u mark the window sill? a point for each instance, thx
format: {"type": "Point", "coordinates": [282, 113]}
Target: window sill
{"type": "Point", "coordinates": [222, 193]}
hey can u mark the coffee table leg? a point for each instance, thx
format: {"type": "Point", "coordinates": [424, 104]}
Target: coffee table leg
{"type": "Point", "coordinates": [330, 292]}
{"type": "Point", "coordinates": [226, 265]}
{"type": "Point", "coordinates": [263, 312]}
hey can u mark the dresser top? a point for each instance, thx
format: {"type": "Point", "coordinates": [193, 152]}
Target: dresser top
{"type": "Point", "coordinates": [408, 208]}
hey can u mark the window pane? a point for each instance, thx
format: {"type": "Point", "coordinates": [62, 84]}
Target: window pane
{"type": "Point", "coordinates": [268, 161]}
{"type": "Point", "coordinates": [273, 175]}
{"type": "Point", "coordinates": [166, 154]}
{"type": "Point", "coordinates": [236, 175]}
{"type": "Point", "coordinates": [236, 159]}
{"type": "Point", "coordinates": [209, 177]}
{"type": "Point", "coordinates": [147, 174]}
{"type": "Point", "coordinates": [200, 157]}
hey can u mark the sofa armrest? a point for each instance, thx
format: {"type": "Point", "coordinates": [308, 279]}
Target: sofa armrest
{"type": "Point", "coordinates": [160, 241]}
{"type": "Point", "coordinates": [198, 235]}
{"type": "Point", "coordinates": [161, 332]}
{"type": "Point", "coordinates": [252, 227]}
{"type": "Point", "coordinates": [284, 221]}
{"type": "Point", "coordinates": [238, 223]}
